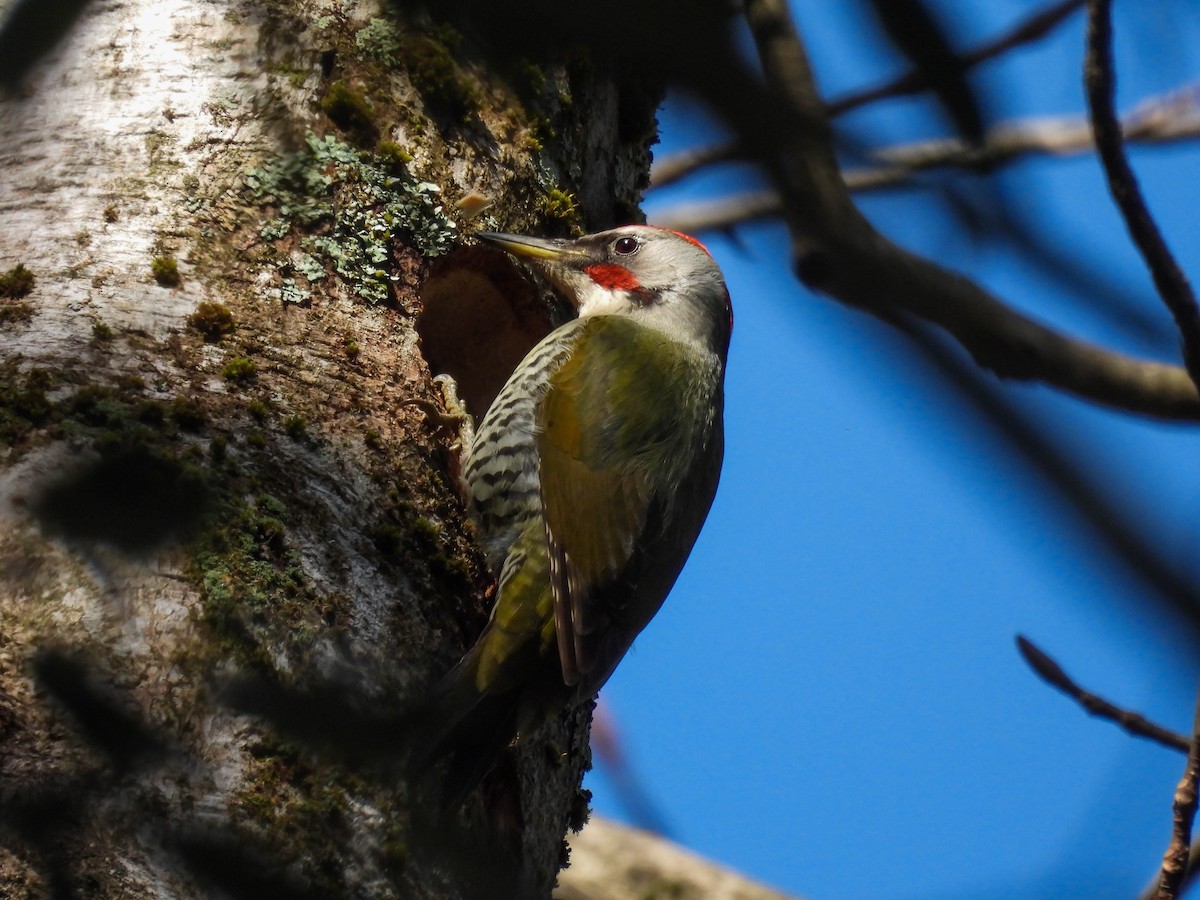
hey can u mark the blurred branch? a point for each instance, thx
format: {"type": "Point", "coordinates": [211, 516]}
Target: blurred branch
{"type": "Point", "coordinates": [614, 862]}
{"type": "Point", "coordinates": [1123, 531]}
{"type": "Point", "coordinates": [1175, 860]}
{"type": "Point", "coordinates": [608, 750]}
{"type": "Point", "coordinates": [1174, 116]}
{"type": "Point", "coordinates": [1134, 723]}
{"type": "Point", "coordinates": [677, 166]}
{"type": "Point", "coordinates": [722, 213]}
{"type": "Point", "coordinates": [1039, 24]}
{"type": "Point", "coordinates": [915, 31]}
{"type": "Point", "coordinates": [1172, 284]}
{"type": "Point", "coordinates": [837, 251]}
{"type": "Point", "coordinates": [1028, 30]}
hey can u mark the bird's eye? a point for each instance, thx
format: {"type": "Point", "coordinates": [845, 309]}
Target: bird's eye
{"type": "Point", "coordinates": [626, 245]}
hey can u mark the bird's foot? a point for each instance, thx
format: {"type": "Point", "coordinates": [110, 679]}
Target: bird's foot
{"type": "Point", "coordinates": [449, 415]}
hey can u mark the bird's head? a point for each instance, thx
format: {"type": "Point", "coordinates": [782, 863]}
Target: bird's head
{"type": "Point", "coordinates": [661, 277]}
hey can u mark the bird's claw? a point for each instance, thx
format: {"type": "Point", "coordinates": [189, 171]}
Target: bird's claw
{"type": "Point", "coordinates": [450, 414]}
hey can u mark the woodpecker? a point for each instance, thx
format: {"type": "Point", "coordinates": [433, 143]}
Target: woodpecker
{"type": "Point", "coordinates": [589, 479]}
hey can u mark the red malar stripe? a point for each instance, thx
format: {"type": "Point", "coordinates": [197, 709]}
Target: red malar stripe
{"type": "Point", "coordinates": [613, 278]}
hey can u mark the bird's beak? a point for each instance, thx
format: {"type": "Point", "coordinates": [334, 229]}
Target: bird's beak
{"type": "Point", "coordinates": [543, 249]}
{"type": "Point", "coordinates": [558, 261]}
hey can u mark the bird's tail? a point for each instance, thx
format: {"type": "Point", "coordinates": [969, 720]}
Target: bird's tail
{"type": "Point", "coordinates": [460, 732]}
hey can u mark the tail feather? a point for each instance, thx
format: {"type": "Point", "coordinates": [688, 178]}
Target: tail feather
{"type": "Point", "coordinates": [460, 732]}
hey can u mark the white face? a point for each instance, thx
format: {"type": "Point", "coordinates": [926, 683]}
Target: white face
{"type": "Point", "coordinates": [659, 276]}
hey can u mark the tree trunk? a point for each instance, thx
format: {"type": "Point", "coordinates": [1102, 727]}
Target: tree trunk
{"type": "Point", "coordinates": [227, 231]}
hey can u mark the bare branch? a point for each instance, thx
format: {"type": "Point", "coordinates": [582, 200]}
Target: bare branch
{"type": "Point", "coordinates": [1165, 118]}
{"type": "Point", "coordinates": [722, 213]}
{"type": "Point", "coordinates": [836, 250]}
{"type": "Point", "coordinates": [1172, 284]}
{"type": "Point", "coordinates": [676, 166]}
{"type": "Point", "coordinates": [1175, 860]}
{"type": "Point", "coordinates": [1039, 24]}
{"type": "Point", "coordinates": [1170, 117]}
{"type": "Point", "coordinates": [912, 28]}
{"type": "Point", "coordinates": [1150, 891]}
{"type": "Point", "coordinates": [1134, 723]}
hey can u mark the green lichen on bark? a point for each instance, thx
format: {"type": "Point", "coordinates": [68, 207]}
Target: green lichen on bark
{"type": "Point", "coordinates": [300, 809]}
{"type": "Point", "coordinates": [437, 77]}
{"type": "Point", "coordinates": [44, 404]}
{"type": "Point", "coordinates": [347, 207]}
{"type": "Point", "coordinates": [426, 55]}
{"type": "Point", "coordinates": [256, 597]}
{"type": "Point", "coordinates": [151, 460]}
{"type": "Point", "coordinates": [14, 314]}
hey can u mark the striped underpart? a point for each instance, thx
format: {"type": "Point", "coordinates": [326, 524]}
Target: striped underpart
{"type": "Point", "coordinates": [606, 439]}
{"type": "Point", "coordinates": [501, 469]}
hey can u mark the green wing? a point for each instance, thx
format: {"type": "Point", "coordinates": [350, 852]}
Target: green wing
{"type": "Point", "coordinates": [608, 442]}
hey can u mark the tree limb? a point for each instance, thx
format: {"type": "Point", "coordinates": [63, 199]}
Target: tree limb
{"type": "Point", "coordinates": [1175, 860]}
{"type": "Point", "coordinates": [1168, 117]}
{"type": "Point", "coordinates": [1028, 30]}
{"type": "Point", "coordinates": [836, 250]}
{"type": "Point", "coordinates": [1172, 284]}
{"type": "Point", "coordinates": [1039, 24]}
{"type": "Point", "coordinates": [1174, 116]}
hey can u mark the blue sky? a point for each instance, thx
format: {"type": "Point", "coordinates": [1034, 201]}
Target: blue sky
{"type": "Point", "coordinates": [831, 700]}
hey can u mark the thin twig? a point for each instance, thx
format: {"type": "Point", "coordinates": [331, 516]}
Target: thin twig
{"type": "Point", "coordinates": [1169, 117]}
{"type": "Point", "coordinates": [720, 213]}
{"type": "Point", "coordinates": [1026, 31]}
{"type": "Point", "coordinates": [1175, 860]}
{"type": "Point", "coordinates": [1172, 284]}
{"type": "Point", "coordinates": [1174, 116]}
{"type": "Point", "coordinates": [1134, 723]}
{"type": "Point", "coordinates": [677, 166]}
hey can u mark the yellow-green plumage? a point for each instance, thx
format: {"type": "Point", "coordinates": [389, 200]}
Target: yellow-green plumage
{"type": "Point", "coordinates": [589, 478]}
{"type": "Point", "coordinates": [619, 435]}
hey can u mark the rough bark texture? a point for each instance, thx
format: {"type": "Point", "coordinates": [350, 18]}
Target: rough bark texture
{"type": "Point", "coordinates": [235, 214]}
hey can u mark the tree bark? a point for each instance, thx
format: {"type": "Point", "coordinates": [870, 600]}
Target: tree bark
{"type": "Point", "coordinates": [243, 224]}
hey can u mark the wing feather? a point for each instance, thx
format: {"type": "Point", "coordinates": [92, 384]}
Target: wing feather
{"type": "Point", "coordinates": [600, 445]}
